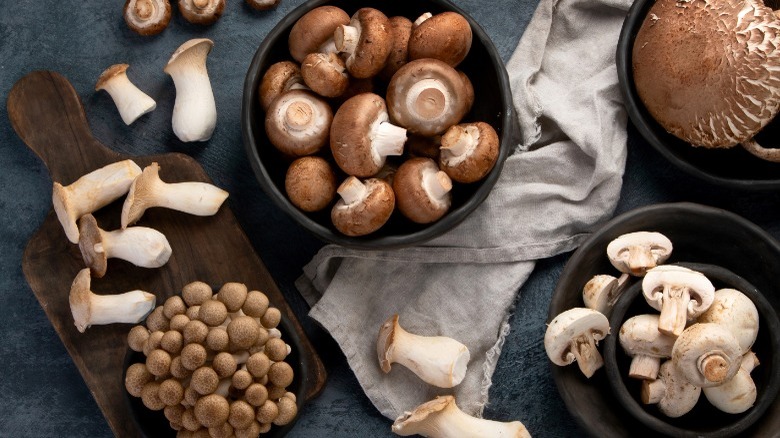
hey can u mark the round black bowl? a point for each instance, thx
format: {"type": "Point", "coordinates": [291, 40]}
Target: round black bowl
{"type": "Point", "coordinates": [704, 421]}
{"type": "Point", "coordinates": [733, 167]}
{"type": "Point", "coordinates": [493, 104]}
{"type": "Point", "coordinates": [700, 234]}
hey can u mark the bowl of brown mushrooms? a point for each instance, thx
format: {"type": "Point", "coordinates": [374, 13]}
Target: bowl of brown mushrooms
{"type": "Point", "coordinates": [600, 289]}
{"type": "Point", "coordinates": [707, 99]}
{"type": "Point", "coordinates": [377, 124]}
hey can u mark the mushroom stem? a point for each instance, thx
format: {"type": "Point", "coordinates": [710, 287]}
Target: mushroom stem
{"type": "Point", "coordinates": [141, 246]}
{"type": "Point", "coordinates": [422, 18]}
{"type": "Point", "coordinates": [387, 139]}
{"type": "Point", "coordinates": [436, 184]}
{"type": "Point", "coordinates": [768, 154]}
{"type": "Point", "coordinates": [586, 355]}
{"type": "Point", "coordinates": [714, 365]}
{"type": "Point", "coordinates": [346, 38]}
{"type": "Point", "coordinates": [428, 99]}
{"type": "Point", "coordinates": [673, 394]}
{"type": "Point", "coordinates": [144, 9]}
{"type": "Point", "coordinates": [90, 309]}
{"type": "Point", "coordinates": [352, 190]}
{"type": "Point", "coordinates": [466, 140]}
{"type": "Point", "coordinates": [644, 366]}
{"type": "Point", "coordinates": [131, 102]}
{"type": "Point", "coordinates": [674, 310]}
{"type": "Point", "coordinates": [298, 115]}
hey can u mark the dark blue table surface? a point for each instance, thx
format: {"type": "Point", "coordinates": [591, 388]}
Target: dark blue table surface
{"type": "Point", "coordinates": [41, 391]}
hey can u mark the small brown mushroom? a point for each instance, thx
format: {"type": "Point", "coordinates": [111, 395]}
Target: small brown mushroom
{"type": "Point", "coordinates": [212, 313]}
{"type": "Point", "coordinates": [271, 318]}
{"type": "Point", "coordinates": [287, 411]}
{"type": "Point", "coordinates": [469, 151]}
{"type": "Point", "coordinates": [178, 322]}
{"type": "Point", "coordinates": [259, 363]}
{"type": "Point", "coordinates": [150, 396]}
{"type": "Point", "coordinates": [280, 78]}
{"type": "Point", "coordinates": [280, 374]}
{"type": "Point", "coordinates": [217, 339]}
{"type": "Point", "coordinates": [158, 362]}
{"type": "Point", "coordinates": [364, 206]}
{"type": "Point", "coordinates": [196, 293]}
{"type": "Point", "coordinates": [252, 431]}
{"type": "Point", "coordinates": [263, 5]}
{"type": "Point", "coordinates": [242, 414]}
{"type": "Point", "coordinates": [256, 394]}
{"type": "Point", "coordinates": [243, 332]}
{"type": "Point", "coordinates": [242, 379]}
{"type": "Point", "coordinates": [298, 122]}
{"type": "Point", "coordinates": [276, 349]}
{"type": "Point", "coordinates": [147, 17]}
{"type": "Point", "coordinates": [422, 191]}
{"type": "Point", "coordinates": [256, 304]}
{"type": "Point", "coordinates": [137, 337]}
{"type": "Point", "coordinates": [325, 73]}
{"type": "Point", "coordinates": [201, 11]}
{"type": "Point", "coordinates": [267, 412]}
{"type": "Point", "coordinates": [193, 356]}
{"type": "Point", "coordinates": [310, 183]}
{"type": "Point", "coordinates": [171, 392]}
{"type": "Point", "coordinates": [156, 321]}
{"type": "Point", "coordinates": [224, 431]}
{"type": "Point", "coordinates": [400, 31]}
{"type": "Point", "coordinates": [174, 413]}
{"type": "Point", "coordinates": [366, 42]}
{"type": "Point", "coordinates": [173, 306]}
{"type": "Point", "coordinates": [445, 36]}
{"type": "Point", "coordinates": [204, 380]}
{"type": "Point", "coordinates": [178, 370]}
{"type": "Point", "coordinates": [136, 377]}
{"type": "Point", "coordinates": [313, 32]}
{"type": "Point", "coordinates": [212, 410]}
{"type": "Point", "coordinates": [195, 332]}
{"type": "Point", "coordinates": [153, 343]}
{"type": "Point", "coordinates": [232, 296]}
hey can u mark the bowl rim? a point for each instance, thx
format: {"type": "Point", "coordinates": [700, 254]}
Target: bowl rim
{"type": "Point", "coordinates": [623, 56]}
{"type": "Point", "coordinates": [435, 229]}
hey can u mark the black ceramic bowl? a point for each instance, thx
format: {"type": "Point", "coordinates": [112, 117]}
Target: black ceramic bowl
{"type": "Point", "coordinates": [493, 104]}
{"type": "Point", "coordinates": [699, 234]}
{"type": "Point", "coordinates": [733, 167]}
{"type": "Point", "coordinates": [704, 420]}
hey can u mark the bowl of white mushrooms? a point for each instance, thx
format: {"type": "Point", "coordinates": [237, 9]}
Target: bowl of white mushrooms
{"type": "Point", "coordinates": [377, 124]}
{"type": "Point", "coordinates": [707, 100]}
{"type": "Point", "coordinates": [648, 245]}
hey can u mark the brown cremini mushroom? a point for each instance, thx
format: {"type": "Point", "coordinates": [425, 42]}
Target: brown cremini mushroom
{"type": "Point", "coordinates": [400, 31]}
{"type": "Point", "coordinates": [364, 206]}
{"type": "Point", "coordinates": [280, 78]}
{"type": "Point", "coordinates": [422, 191]}
{"type": "Point", "coordinates": [325, 74]}
{"type": "Point", "coordinates": [263, 5]}
{"type": "Point", "coordinates": [310, 183]}
{"type": "Point", "coordinates": [196, 293]}
{"type": "Point", "coordinates": [313, 32]}
{"type": "Point", "coordinates": [365, 42]}
{"type": "Point", "coordinates": [137, 337]}
{"type": "Point", "coordinates": [297, 123]}
{"type": "Point", "coordinates": [445, 36]}
{"type": "Point", "coordinates": [469, 151]}
{"type": "Point", "coordinates": [147, 17]}
{"type": "Point", "coordinates": [201, 11]}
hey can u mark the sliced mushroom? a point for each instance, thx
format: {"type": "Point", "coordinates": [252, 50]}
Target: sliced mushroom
{"type": "Point", "coordinates": [400, 31]}
{"type": "Point", "coordinates": [707, 354]}
{"type": "Point", "coordinates": [364, 206]}
{"type": "Point", "coordinates": [635, 253]}
{"type": "Point", "coordinates": [263, 5]}
{"type": "Point", "coordinates": [437, 360]}
{"type": "Point", "coordinates": [422, 191]}
{"type": "Point", "coordinates": [194, 111]}
{"type": "Point", "coordinates": [310, 183]}
{"type": "Point", "coordinates": [602, 292]}
{"type": "Point", "coordinates": [365, 42]}
{"type": "Point", "coordinates": [147, 17]}
{"type": "Point", "coordinates": [573, 336]}
{"type": "Point", "coordinates": [680, 294]}
{"type": "Point", "coordinates": [738, 394]}
{"type": "Point", "coordinates": [674, 395]}
{"type": "Point", "coordinates": [298, 123]}
{"type": "Point", "coordinates": [445, 36]}
{"type": "Point", "coordinates": [325, 73]}
{"type": "Point", "coordinates": [131, 102]}
{"type": "Point", "coordinates": [640, 339]}
{"type": "Point", "coordinates": [426, 96]}
{"type": "Point", "coordinates": [201, 11]}
{"type": "Point", "coordinates": [469, 151]}
{"type": "Point", "coordinates": [734, 310]}
{"type": "Point", "coordinates": [313, 32]}
{"type": "Point", "coordinates": [361, 138]}
{"type": "Point", "coordinates": [277, 80]}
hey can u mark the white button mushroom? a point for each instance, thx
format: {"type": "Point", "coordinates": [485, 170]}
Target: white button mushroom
{"type": "Point", "coordinates": [148, 190]}
{"type": "Point", "coordinates": [147, 17]}
{"type": "Point", "coordinates": [674, 395]}
{"type": "Point", "coordinates": [640, 339]}
{"type": "Point", "coordinates": [469, 151]}
{"type": "Point", "coordinates": [364, 206]}
{"type": "Point", "coordinates": [734, 310]}
{"type": "Point", "coordinates": [738, 394]}
{"type": "Point", "coordinates": [573, 335]}
{"type": "Point", "coordinates": [679, 294]}
{"type": "Point", "coordinates": [366, 42]}
{"type": "Point", "coordinates": [194, 111]}
{"type": "Point", "coordinates": [297, 123]}
{"type": "Point", "coordinates": [707, 354]}
{"type": "Point", "coordinates": [437, 360]}
{"type": "Point", "coordinates": [602, 292]}
{"type": "Point", "coordinates": [131, 102]}
{"type": "Point", "coordinates": [90, 309]}
{"type": "Point", "coordinates": [441, 418]}
{"type": "Point", "coordinates": [91, 192]}
{"type": "Point", "coordinates": [280, 77]}
{"type": "Point", "coordinates": [201, 11]}
{"type": "Point", "coordinates": [445, 36]}
{"type": "Point", "coordinates": [422, 191]}
{"type": "Point", "coordinates": [636, 253]}
{"type": "Point", "coordinates": [313, 32]}
{"type": "Point", "coordinates": [141, 246]}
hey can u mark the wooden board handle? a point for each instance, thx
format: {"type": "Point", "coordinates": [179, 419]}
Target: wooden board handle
{"type": "Point", "coordinates": [46, 113]}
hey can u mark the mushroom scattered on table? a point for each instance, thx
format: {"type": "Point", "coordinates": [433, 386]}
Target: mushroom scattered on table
{"type": "Point", "coordinates": [640, 338]}
{"type": "Point", "coordinates": [147, 17]}
{"type": "Point", "coordinates": [201, 11]}
{"type": "Point", "coordinates": [446, 36]}
{"type": "Point", "coordinates": [313, 32]}
{"type": "Point", "coordinates": [298, 123]}
{"type": "Point", "coordinates": [707, 354]}
{"type": "Point", "coordinates": [572, 336]}
{"type": "Point", "coordinates": [679, 293]}
{"type": "Point", "coordinates": [468, 151]}
{"type": "Point", "coordinates": [602, 291]}
{"type": "Point", "coordinates": [422, 191]}
{"type": "Point", "coordinates": [365, 42]}
{"type": "Point", "coordinates": [673, 394]}
{"type": "Point", "coordinates": [364, 206]}
{"type": "Point", "coordinates": [194, 110]}
{"type": "Point", "coordinates": [130, 101]}
{"type": "Point", "coordinates": [738, 394]}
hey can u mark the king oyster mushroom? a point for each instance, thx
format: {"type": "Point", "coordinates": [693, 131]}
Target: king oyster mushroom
{"type": "Point", "coordinates": [445, 36]}
{"type": "Point", "coordinates": [201, 11]}
{"type": "Point", "coordinates": [679, 293]}
{"type": "Point", "coordinates": [194, 111]}
{"type": "Point", "coordinates": [365, 42]}
{"type": "Point", "coordinates": [313, 32]}
{"type": "Point", "coordinates": [298, 122]}
{"type": "Point", "coordinates": [738, 394]}
{"type": "Point", "coordinates": [147, 17]}
{"type": "Point", "coordinates": [468, 151]}
{"type": "Point", "coordinates": [130, 101]}
{"type": "Point", "coordinates": [573, 335]}
{"type": "Point", "coordinates": [717, 83]}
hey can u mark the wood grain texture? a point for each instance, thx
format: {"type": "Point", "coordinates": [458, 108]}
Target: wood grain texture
{"type": "Point", "coordinates": [47, 114]}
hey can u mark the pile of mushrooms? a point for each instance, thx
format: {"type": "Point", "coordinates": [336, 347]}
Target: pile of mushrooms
{"type": "Point", "coordinates": [214, 363]}
{"type": "Point", "coordinates": [330, 103]}
{"type": "Point", "coordinates": [150, 17]}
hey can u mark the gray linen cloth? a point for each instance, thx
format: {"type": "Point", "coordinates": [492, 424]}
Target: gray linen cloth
{"type": "Point", "coordinates": [562, 180]}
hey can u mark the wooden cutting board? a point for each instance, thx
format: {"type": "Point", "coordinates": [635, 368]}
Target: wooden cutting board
{"type": "Point", "coordinates": [48, 116]}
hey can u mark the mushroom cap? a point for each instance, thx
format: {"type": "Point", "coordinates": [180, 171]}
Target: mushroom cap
{"type": "Point", "coordinates": [243, 332]}
{"type": "Point", "coordinates": [701, 290]}
{"type": "Point", "coordinates": [193, 356]}
{"type": "Point", "coordinates": [204, 380]}
{"type": "Point", "coordinates": [426, 96]}
{"type": "Point", "coordinates": [242, 379]}
{"type": "Point", "coordinates": [178, 322]}
{"type": "Point", "coordinates": [171, 392]}
{"type": "Point", "coordinates": [414, 186]}
{"type": "Point", "coordinates": [325, 73]}
{"type": "Point", "coordinates": [224, 364]}
{"type": "Point", "coordinates": [278, 79]}
{"type": "Point", "coordinates": [310, 183]}
{"type": "Point", "coordinates": [80, 299]}
{"type": "Point", "coordinates": [635, 253]}
{"type": "Point", "coordinates": [373, 45]}
{"type": "Point", "coordinates": [738, 394]}
{"type": "Point", "coordinates": [407, 424]}
{"type": "Point", "coordinates": [600, 292]}
{"type": "Point", "coordinates": [232, 296]}
{"type": "Point", "coordinates": [137, 337]}
{"type": "Point", "coordinates": [570, 325]}
{"type": "Point", "coordinates": [212, 410]}
{"type": "Point", "coordinates": [150, 396]}
{"type": "Point", "coordinates": [267, 412]}
{"type": "Point", "coordinates": [256, 394]}
{"type": "Point", "coordinates": [224, 431]}
{"type": "Point", "coordinates": [158, 362]}
{"type": "Point", "coordinates": [446, 36]}
{"type": "Point", "coordinates": [172, 342]}
{"type": "Point", "coordinates": [109, 74]}
{"type": "Point", "coordinates": [718, 82]}
{"type": "Point", "coordinates": [271, 318]}
{"type": "Point", "coordinates": [287, 411]}
{"type": "Point", "coordinates": [479, 156]}
{"type": "Point", "coordinates": [263, 5]}
{"type": "Point", "coordinates": [147, 17]}
{"type": "Point", "coordinates": [212, 313]}
{"type": "Point", "coordinates": [201, 11]}
{"type": "Point", "coordinates": [195, 331]}
{"type": "Point", "coordinates": [196, 293]}
{"type": "Point", "coordinates": [639, 336]}
{"type": "Point", "coordinates": [258, 363]}
{"type": "Point", "coordinates": [192, 53]}
{"type": "Point", "coordinates": [256, 304]}
{"type": "Point", "coordinates": [707, 354]}
{"type": "Point", "coordinates": [400, 31]}
{"type": "Point", "coordinates": [156, 321]}
{"type": "Point", "coordinates": [173, 306]}
{"type": "Point", "coordinates": [734, 310]}
{"type": "Point", "coordinates": [142, 190]}
{"type": "Point", "coordinates": [369, 213]}
{"type": "Point", "coordinates": [155, 338]}
{"type": "Point", "coordinates": [313, 29]}
{"type": "Point", "coordinates": [136, 377]}
{"type": "Point", "coordinates": [679, 396]}
{"type": "Point", "coordinates": [298, 122]}
{"type": "Point", "coordinates": [385, 341]}
{"type": "Point", "coordinates": [281, 374]}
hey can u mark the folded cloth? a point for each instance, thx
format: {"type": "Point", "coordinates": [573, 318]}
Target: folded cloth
{"type": "Point", "coordinates": [562, 180]}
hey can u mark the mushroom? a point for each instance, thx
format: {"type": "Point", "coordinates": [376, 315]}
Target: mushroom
{"type": "Point", "coordinates": [310, 183]}
{"type": "Point", "coordinates": [147, 17]}
{"type": "Point", "coordinates": [673, 394]}
{"type": "Point", "coordinates": [422, 191]}
{"type": "Point", "coordinates": [131, 102]}
{"type": "Point", "coordinates": [738, 394]}
{"type": "Point", "coordinates": [400, 31]}
{"type": "Point", "coordinates": [263, 5]}
{"type": "Point", "coordinates": [437, 360]}
{"type": "Point", "coordinates": [276, 350]}
{"type": "Point", "coordinates": [91, 192]}
{"type": "Point", "coordinates": [768, 154]}
{"type": "Point", "coordinates": [718, 85]}
{"type": "Point", "coordinates": [441, 418]}
{"type": "Point", "coordinates": [196, 293]}
{"type": "Point", "coordinates": [426, 96]}
{"type": "Point", "coordinates": [287, 411]}
{"type": "Point", "coordinates": [280, 77]}
{"type": "Point", "coordinates": [148, 190]}
{"type": "Point", "coordinates": [325, 73]}
{"type": "Point", "coordinates": [365, 42]}
{"type": "Point", "coordinates": [445, 36]}
{"type": "Point", "coordinates": [573, 335]}
{"type": "Point", "coordinates": [313, 32]}
{"type": "Point", "coordinates": [361, 137]}
{"type": "Point", "coordinates": [468, 151]}
{"type": "Point", "coordinates": [297, 123]}
{"type": "Point", "coordinates": [201, 11]}
{"type": "Point", "coordinates": [212, 410]}
{"type": "Point", "coordinates": [735, 311]}
{"type": "Point", "coordinates": [636, 253]}
{"type": "Point", "coordinates": [640, 339]}
{"type": "Point", "coordinates": [141, 246]}
{"type": "Point", "coordinates": [707, 354]}
{"type": "Point", "coordinates": [256, 304]}
{"type": "Point", "coordinates": [602, 292]}
{"type": "Point", "coordinates": [364, 206]}
{"type": "Point", "coordinates": [194, 111]}
{"type": "Point", "coordinates": [90, 309]}
{"type": "Point", "coordinates": [679, 294]}
{"type": "Point", "coordinates": [242, 414]}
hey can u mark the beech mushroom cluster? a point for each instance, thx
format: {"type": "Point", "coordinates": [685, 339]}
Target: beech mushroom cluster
{"type": "Point", "coordinates": [150, 17]}
{"type": "Point", "coordinates": [362, 84]}
{"type": "Point", "coordinates": [214, 363]}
